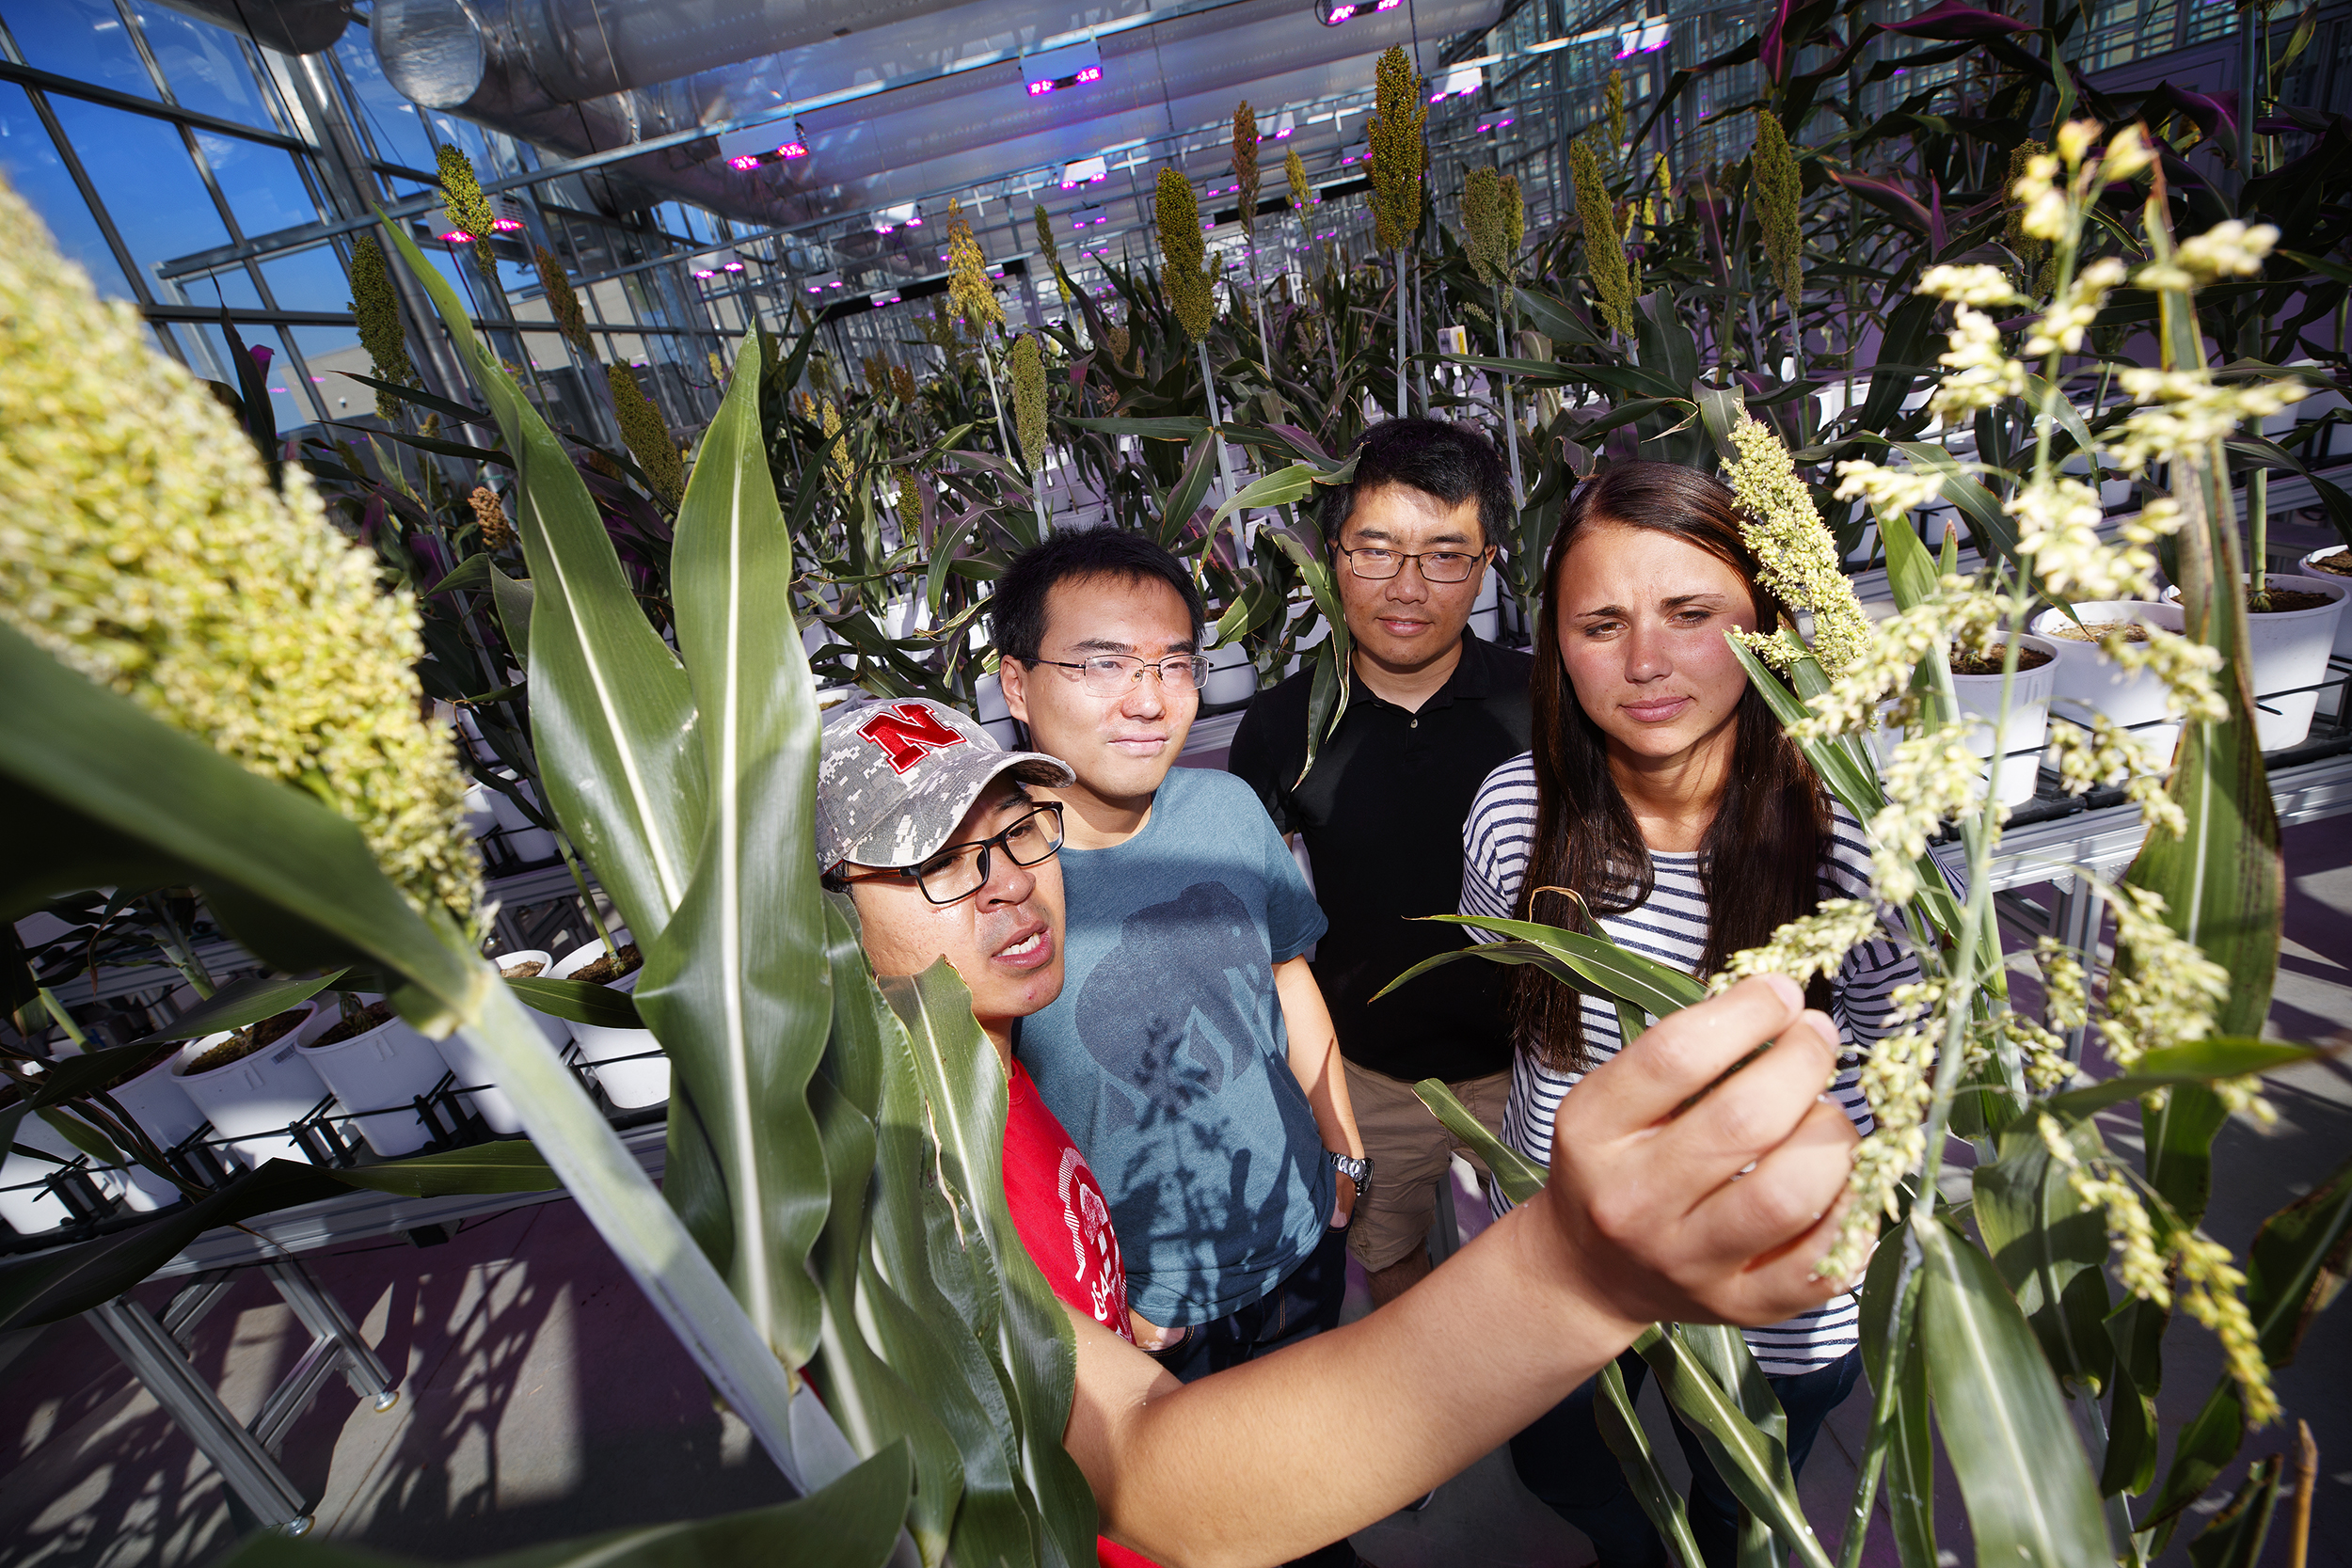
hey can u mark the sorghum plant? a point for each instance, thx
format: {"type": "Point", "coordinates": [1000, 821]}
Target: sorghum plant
{"type": "Point", "coordinates": [2079, 1250]}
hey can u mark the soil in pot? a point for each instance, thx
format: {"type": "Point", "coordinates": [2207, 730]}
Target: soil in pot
{"type": "Point", "coordinates": [611, 967]}
{"type": "Point", "coordinates": [2337, 565]}
{"type": "Point", "coordinates": [374, 1016]}
{"type": "Point", "coordinates": [530, 969]}
{"type": "Point", "coordinates": [2281, 601]}
{"type": "Point", "coordinates": [245, 1041]}
{"type": "Point", "coordinates": [1990, 664]}
{"type": "Point", "coordinates": [2094, 632]}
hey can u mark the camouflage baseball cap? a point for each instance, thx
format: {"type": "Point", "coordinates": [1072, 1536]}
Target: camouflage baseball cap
{"type": "Point", "coordinates": [894, 779]}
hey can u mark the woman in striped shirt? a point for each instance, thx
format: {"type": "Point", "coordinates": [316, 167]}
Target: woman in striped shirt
{"type": "Point", "coordinates": [1664, 792]}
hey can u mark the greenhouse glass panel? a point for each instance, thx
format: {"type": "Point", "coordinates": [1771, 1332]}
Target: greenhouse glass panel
{"type": "Point", "coordinates": [143, 173]}
{"type": "Point", "coordinates": [204, 65]}
{"type": "Point", "coordinates": [288, 398]}
{"type": "Point", "coordinates": [232, 287]}
{"type": "Point", "coordinates": [310, 279]}
{"type": "Point", "coordinates": [391, 122]}
{"type": "Point", "coordinates": [330, 351]}
{"type": "Point", "coordinates": [261, 185]}
{"type": "Point", "coordinates": [85, 39]}
{"type": "Point", "coordinates": [30, 161]}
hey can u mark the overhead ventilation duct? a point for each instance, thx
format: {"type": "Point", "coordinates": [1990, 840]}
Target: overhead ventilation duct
{"type": "Point", "coordinates": [289, 26]}
{"type": "Point", "coordinates": [436, 54]}
{"type": "Point", "coordinates": [576, 50]}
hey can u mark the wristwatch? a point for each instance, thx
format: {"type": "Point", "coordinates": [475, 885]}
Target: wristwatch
{"type": "Point", "coordinates": [1358, 1171]}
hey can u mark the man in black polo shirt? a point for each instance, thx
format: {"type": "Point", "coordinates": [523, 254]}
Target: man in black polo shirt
{"type": "Point", "coordinates": [1431, 709]}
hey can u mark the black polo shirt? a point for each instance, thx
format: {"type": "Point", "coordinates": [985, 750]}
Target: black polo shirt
{"type": "Point", "coordinates": [1382, 815]}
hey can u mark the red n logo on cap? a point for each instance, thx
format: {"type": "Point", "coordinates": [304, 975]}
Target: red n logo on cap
{"type": "Point", "coordinates": [907, 734]}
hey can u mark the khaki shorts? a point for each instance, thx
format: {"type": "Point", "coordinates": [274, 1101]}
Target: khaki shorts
{"type": "Point", "coordinates": [1410, 1149]}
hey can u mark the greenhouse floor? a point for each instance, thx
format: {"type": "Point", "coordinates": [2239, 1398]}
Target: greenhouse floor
{"type": "Point", "coordinates": [541, 1399]}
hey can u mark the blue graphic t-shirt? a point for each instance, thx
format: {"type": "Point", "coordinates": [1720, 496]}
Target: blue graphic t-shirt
{"type": "Point", "coordinates": [1165, 1055]}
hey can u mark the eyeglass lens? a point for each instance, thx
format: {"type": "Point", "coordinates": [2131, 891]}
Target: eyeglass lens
{"type": "Point", "coordinates": [961, 870]}
{"type": "Point", "coordinates": [1435, 565]}
{"type": "Point", "coordinates": [1109, 675]}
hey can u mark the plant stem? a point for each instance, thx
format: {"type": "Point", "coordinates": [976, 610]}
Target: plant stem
{"type": "Point", "coordinates": [178, 952]}
{"type": "Point", "coordinates": [2258, 537]}
{"type": "Point", "coordinates": [1981, 833]}
{"type": "Point", "coordinates": [1004, 436]}
{"type": "Point", "coordinates": [587, 899]}
{"type": "Point", "coordinates": [1217, 434]}
{"type": "Point", "coordinates": [1510, 414]}
{"type": "Point", "coordinates": [1401, 287]}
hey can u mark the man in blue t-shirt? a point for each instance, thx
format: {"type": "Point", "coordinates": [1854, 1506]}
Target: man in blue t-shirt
{"type": "Point", "coordinates": [1190, 1056]}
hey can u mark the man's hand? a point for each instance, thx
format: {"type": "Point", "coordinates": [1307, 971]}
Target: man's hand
{"type": "Point", "coordinates": [1342, 1201]}
{"type": "Point", "coordinates": [1713, 1210]}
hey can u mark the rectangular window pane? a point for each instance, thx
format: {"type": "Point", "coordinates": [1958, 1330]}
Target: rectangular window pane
{"type": "Point", "coordinates": [390, 120]}
{"type": "Point", "coordinates": [309, 280]}
{"type": "Point", "coordinates": [204, 65]}
{"type": "Point", "coordinates": [207, 352]}
{"type": "Point", "coordinates": [32, 164]}
{"type": "Point", "coordinates": [144, 175]}
{"type": "Point", "coordinates": [81, 38]}
{"type": "Point", "coordinates": [287, 396]}
{"type": "Point", "coordinates": [261, 185]}
{"type": "Point", "coordinates": [330, 351]}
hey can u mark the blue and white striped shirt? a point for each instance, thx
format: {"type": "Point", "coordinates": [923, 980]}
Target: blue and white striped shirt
{"type": "Point", "coordinates": [1671, 927]}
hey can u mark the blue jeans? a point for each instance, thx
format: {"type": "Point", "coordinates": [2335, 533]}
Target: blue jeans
{"type": "Point", "coordinates": [1562, 1460]}
{"type": "Point", "coordinates": [1306, 1303]}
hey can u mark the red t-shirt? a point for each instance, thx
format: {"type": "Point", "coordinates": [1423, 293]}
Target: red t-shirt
{"type": "Point", "coordinates": [1058, 1208]}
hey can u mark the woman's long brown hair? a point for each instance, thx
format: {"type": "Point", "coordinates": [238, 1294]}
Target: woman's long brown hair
{"type": "Point", "coordinates": [1760, 859]}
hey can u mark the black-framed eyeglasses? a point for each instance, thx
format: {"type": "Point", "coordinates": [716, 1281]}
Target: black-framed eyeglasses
{"type": "Point", "coordinates": [1110, 674]}
{"type": "Point", "coordinates": [1378, 563]}
{"type": "Point", "coordinates": [961, 870]}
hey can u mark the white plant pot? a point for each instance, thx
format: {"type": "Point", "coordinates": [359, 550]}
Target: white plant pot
{"type": "Point", "coordinates": [471, 1067]}
{"type": "Point", "coordinates": [253, 1100]}
{"type": "Point", "coordinates": [628, 1085]}
{"type": "Point", "coordinates": [2028, 722]}
{"type": "Point", "coordinates": [154, 1099]}
{"type": "Point", "coordinates": [2089, 682]}
{"type": "Point", "coordinates": [480, 812]}
{"type": "Point", "coordinates": [377, 1075]}
{"type": "Point", "coordinates": [2289, 651]}
{"type": "Point", "coordinates": [29, 1203]}
{"type": "Point", "coordinates": [902, 618]}
{"type": "Point", "coordinates": [1231, 677]}
{"type": "Point", "coordinates": [558, 1031]}
{"type": "Point", "coordinates": [525, 839]}
{"type": "Point", "coordinates": [2343, 648]}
